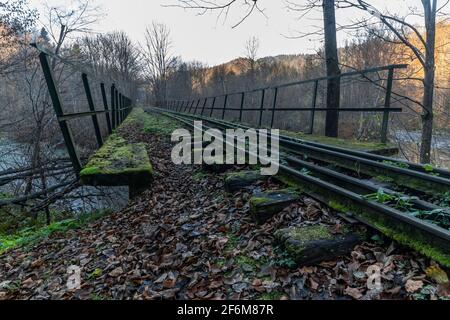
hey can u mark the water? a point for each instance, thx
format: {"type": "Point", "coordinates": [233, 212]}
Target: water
{"type": "Point", "coordinates": [409, 141]}
{"type": "Point", "coordinates": [80, 201]}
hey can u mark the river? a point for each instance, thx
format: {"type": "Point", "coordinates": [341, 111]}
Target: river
{"type": "Point", "coordinates": [12, 155]}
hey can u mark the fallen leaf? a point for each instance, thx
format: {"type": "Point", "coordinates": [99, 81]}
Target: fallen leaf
{"type": "Point", "coordinates": [314, 285]}
{"type": "Point", "coordinates": [412, 286]}
{"type": "Point", "coordinates": [28, 283]}
{"type": "Point", "coordinates": [257, 283]}
{"type": "Point", "coordinates": [355, 293]}
{"type": "Point", "coordinates": [116, 272]}
{"type": "Point", "coordinates": [395, 290]}
{"type": "Point", "coordinates": [169, 283]}
{"type": "Point", "coordinates": [443, 290]}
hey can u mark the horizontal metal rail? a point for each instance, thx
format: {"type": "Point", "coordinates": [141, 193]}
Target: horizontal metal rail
{"type": "Point", "coordinates": [301, 82]}
{"type": "Point", "coordinates": [174, 105]}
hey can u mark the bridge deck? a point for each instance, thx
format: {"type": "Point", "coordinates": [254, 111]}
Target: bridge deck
{"type": "Point", "coordinates": [118, 163]}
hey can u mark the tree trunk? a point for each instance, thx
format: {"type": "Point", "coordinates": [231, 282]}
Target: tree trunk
{"type": "Point", "coordinates": [332, 64]}
{"type": "Point", "coordinates": [428, 82]}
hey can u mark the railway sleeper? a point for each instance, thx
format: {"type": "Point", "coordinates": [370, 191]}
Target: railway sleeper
{"type": "Point", "coordinates": [264, 205]}
{"type": "Point", "coordinates": [236, 181]}
{"type": "Point", "coordinates": [308, 245]}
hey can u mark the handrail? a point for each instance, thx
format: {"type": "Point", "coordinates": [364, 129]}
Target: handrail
{"type": "Point", "coordinates": [288, 84]}
{"type": "Point", "coordinates": [386, 109]}
{"type": "Point", "coordinates": [121, 105]}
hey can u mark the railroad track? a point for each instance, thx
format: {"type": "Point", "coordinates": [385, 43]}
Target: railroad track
{"type": "Point", "coordinates": [346, 188]}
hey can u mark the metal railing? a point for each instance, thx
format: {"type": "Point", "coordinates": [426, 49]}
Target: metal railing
{"type": "Point", "coordinates": [115, 113]}
{"type": "Point", "coordinates": [193, 106]}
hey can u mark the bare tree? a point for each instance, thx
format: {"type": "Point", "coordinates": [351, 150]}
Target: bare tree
{"type": "Point", "coordinates": [251, 52]}
{"type": "Point", "coordinates": [62, 22]}
{"type": "Point", "coordinates": [423, 50]}
{"type": "Point", "coordinates": [333, 70]}
{"type": "Point", "coordinates": [113, 55]}
{"type": "Point", "coordinates": [223, 7]}
{"type": "Point", "coordinates": [158, 58]}
{"type": "Point", "coordinates": [16, 19]}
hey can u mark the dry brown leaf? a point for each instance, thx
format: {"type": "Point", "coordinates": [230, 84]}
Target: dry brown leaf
{"type": "Point", "coordinates": [314, 285]}
{"type": "Point", "coordinates": [412, 286]}
{"type": "Point", "coordinates": [257, 283]}
{"type": "Point", "coordinates": [116, 272]}
{"type": "Point", "coordinates": [355, 293]}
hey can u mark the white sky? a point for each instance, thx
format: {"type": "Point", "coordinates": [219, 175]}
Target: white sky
{"type": "Point", "coordinates": [206, 39]}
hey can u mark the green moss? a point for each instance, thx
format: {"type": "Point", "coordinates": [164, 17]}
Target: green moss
{"type": "Point", "coordinates": [275, 295]}
{"type": "Point", "coordinates": [152, 123]}
{"type": "Point", "coordinates": [199, 176]}
{"type": "Point", "coordinates": [117, 163]}
{"type": "Point", "coordinates": [306, 234]}
{"type": "Point", "coordinates": [338, 206]}
{"type": "Point", "coordinates": [258, 201]}
{"type": "Point", "coordinates": [245, 260]}
{"type": "Point", "coordinates": [273, 196]}
{"type": "Point", "coordinates": [244, 175]}
{"type": "Point", "coordinates": [420, 246]}
{"type": "Point", "coordinates": [344, 143]}
{"type": "Point", "coordinates": [31, 235]}
{"type": "Point", "coordinates": [96, 273]}
{"type": "Point", "coordinates": [117, 156]}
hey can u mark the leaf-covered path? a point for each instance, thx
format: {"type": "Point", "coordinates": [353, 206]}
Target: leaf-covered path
{"type": "Point", "coordinates": [184, 238]}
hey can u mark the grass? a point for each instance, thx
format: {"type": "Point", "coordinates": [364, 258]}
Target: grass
{"type": "Point", "coordinates": [32, 235]}
{"type": "Point", "coordinates": [152, 123]}
{"type": "Point", "coordinates": [117, 156]}
{"type": "Point", "coordinates": [199, 176]}
{"type": "Point", "coordinates": [275, 295]}
{"type": "Point", "coordinates": [338, 142]}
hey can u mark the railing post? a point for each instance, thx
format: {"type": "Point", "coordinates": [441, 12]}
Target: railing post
{"type": "Point", "coordinates": [387, 105]}
{"type": "Point", "coordinates": [186, 107]}
{"type": "Point", "coordinates": [242, 106]}
{"type": "Point", "coordinates": [122, 113]}
{"type": "Point", "coordinates": [117, 107]}
{"type": "Point", "coordinates": [90, 101]}
{"type": "Point", "coordinates": [57, 106]}
{"type": "Point", "coordinates": [224, 106]}
{"type": "Point", "coordinates": [119, 116]}
{"type": "Point", "coordinates": [113, 106]}
{"type": "Point", "coordinates": [196, 107]}
{"type": "Point", "coordinates": [313, 107]}
{"type": "Point", "coordinates": [262, 107]}
{"type": "Point", "coordinates": [192, 105]}
{"type": "Point", "coordinates": [105, 105]}
{"type": "Point", "coordinates": [204, 106]}
{"type": "Point", "coordinates": [274, 107]}
{"type": "Point", "coordinates": [212, 107]}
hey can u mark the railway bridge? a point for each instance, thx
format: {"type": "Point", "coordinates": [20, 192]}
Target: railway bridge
{"type": "Point", "coordinates": [362, 182]}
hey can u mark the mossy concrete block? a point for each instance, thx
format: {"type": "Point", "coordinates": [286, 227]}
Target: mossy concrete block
{"type": "Point", "coordinates": [238, 180]}
{"type": "Point", "coordinates": [266, 204]}
{"type": "Point", "coordinates": [118, 163]}
{"type": "Point", "coordinates": [314, 244]}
